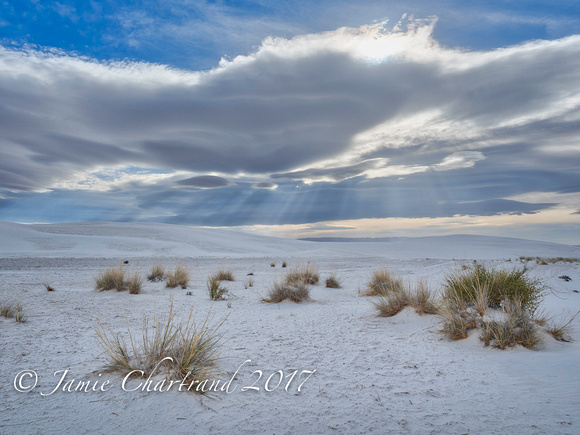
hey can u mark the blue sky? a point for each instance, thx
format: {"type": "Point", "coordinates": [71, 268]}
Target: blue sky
{"type": "Point", "coordinates": [301, 119]}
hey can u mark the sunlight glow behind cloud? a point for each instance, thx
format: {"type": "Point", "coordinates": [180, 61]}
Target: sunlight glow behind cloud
{"type": "Point", "coordinates": [339, 125]}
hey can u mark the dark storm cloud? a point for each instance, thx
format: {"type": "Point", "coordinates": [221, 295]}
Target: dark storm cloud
{"type": "Point", "coordinates": [205, 182]}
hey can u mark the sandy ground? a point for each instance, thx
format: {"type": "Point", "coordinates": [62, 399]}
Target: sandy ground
{"type": "Point", "coordinates": [372, 374]}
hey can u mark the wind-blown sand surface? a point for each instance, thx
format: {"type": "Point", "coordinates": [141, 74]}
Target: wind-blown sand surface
{"type": "Point", "coordinates": [373, 374]}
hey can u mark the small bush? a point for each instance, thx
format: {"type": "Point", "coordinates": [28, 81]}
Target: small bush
{"type": "Point", "coordinates": [157, 273]}
{"type": "Point", "coordinates": [284, 264]}
{"type": "Point", "coordinates": [302, 273]}
{"type": "Point", "coordinates": [500, 285]}
{"type": "Point", "coordinates": [333, 281]}
{"type": "Point", "coordinates": [183, 350]}
{"type": "Point", "coordinates": [216, 291]}
{"type": "Point", "coordinates": [225, 275]}
{"type": "Point", "coordinates": [177, 277]}
{"type": "Point", "coordinates": [272, 264]}
{"type": "Point", "coordinates": [382, 283]}
{"type": "Point", "coordinates": [296, 292]}
{"type": "Point", "coordinates": [110, 279]}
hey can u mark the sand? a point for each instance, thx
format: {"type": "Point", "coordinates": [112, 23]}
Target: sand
{"type": "Point", "coordinates": [372, 374]}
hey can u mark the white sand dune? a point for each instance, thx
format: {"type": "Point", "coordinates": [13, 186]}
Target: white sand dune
{"type": "Point", "coordinates": [397, 375]}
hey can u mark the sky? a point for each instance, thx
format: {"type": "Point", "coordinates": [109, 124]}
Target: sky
{"type": "Point", "coordinates": [294, 118]}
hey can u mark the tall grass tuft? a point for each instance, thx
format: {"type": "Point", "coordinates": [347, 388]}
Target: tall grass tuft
{"type": "Point", "coordinates": [281, 290]}
{"type": "Point", "coordinates": [382, 283]}
{"type": "Point", "coordinates": [225, 275]}
{"type": "Point", "coordinates": [561, 331]}
{"type": "Point", "coordinates": [302, 273]}
{"type": "Point", "coordinates": [135, 283]}
{"type": "Point", "coordinates": [500, 285]}
{"type": "Point", "coordinates": [422, 299]}
{"type": "Point", "coordinates": [113, 278]}
{"type": "Point", "coordinates": [216, 291]}
{"type": "Point", "coordinates": [333, 281]}
{"type": "Point", "coordinates": [177, 277]}
{"type": "Point", "coordinates": [183, 349]}
{"type": "Point", "coordinates": [157, 273]}
{"type": "Point", "coordinates": [517, 327]}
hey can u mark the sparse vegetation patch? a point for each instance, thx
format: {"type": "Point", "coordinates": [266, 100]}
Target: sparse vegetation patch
{"type": "Point", "coordinates": [177, 277]}
{"type": "Point", "coordinates": [182, 349]}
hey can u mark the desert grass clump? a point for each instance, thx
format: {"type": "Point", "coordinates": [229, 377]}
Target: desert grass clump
{"type": "Point", "coordinates": [560, 331]}
{"type": "Point", "coordinates": [225, 275]}
{"type": "Point", "coordinates": [216, 291]}
{"type": "Point", "coordinates": [516, 327]}
{"type": "Point", "coordinates": [48, 287]}
{"type": "Point", "coordinates": [500, 285]}
{"type": "Point", "coordinates": [272, 264]}
{"type": "Point", "coordinates": [382, 283]}
{"type": "Point", "coordinates": [19, 315]}
{"type": "Point", "coordinates": [134, 283]}
{"type": "Point", "coordinates": [284, 264]}
{"type": "Point", "coordinates": [422, 299]}
{"type": "Point", "coordinates": [113, 278]}
{"type": "Point", "coordinates": [302, 273]}
{"type": "Point", "coordinates": [157, 273]}
{"type": "Point", "coordinates": [177, 277]}
{"type": "Point", "coordinates": [281, 290]}
{"type": "Point", "coordinates": [7, 310]}
{"type": "Point", "coordinates": [333, 281]}
{"type": "Point", "coordinates": [457, 316]}
{"type": "Point", "coordinates": [391, 304]}
{"type": "Point", "coordinates": [182, 350]}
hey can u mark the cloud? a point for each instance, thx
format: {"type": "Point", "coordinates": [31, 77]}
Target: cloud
{"type": "Point", "coordinates": [265, 185]}
{"type": "Point", "coordinates": [377, 122]}
{"type": "Point", "coordinates": [205, 182]}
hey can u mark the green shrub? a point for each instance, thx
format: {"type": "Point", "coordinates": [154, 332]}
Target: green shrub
{"type": "Point", "coordinates": [216, 291]}
{"type": "Point", "coordinates": [501, 285]}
